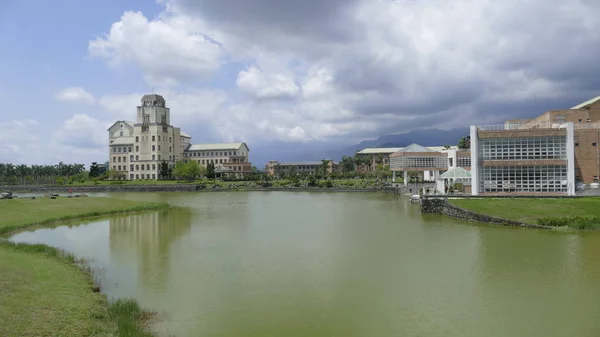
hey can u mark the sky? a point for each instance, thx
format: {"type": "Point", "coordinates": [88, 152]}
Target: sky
{"type": "Point", "coordinates": [284, 76]}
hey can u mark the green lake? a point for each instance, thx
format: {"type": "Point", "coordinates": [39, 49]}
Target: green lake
{"type": "Point", "coordinates": [262, 264]}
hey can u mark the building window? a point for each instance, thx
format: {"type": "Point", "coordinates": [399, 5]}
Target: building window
{"type": "Point", "coordinates": [576, 144]}
{"type": "Point", "coordinates": [594, 144]}
{"type": "Point", "coordinates": [137, 167]}
{"type": "Point", "coordinates": [130, 149]}
{"type": "Point", "coordinates": [153, 147]}
{"type": "Point", "coordinates": [137, 157]}
{"type": "Point", "coordinates": [159, 148]}
{"type": "Point", "coordinates": [119, 167]}
{"type": "Point", "coordinates": [121, 133]}
{"type": "Point", "coordinates": [131, 158]}
{"type": "Point", "coordinates": [114, 167]}
{"type": "Point", "coordinates": [579, 120]}
{"type": "Point", "coordinates": [202, 161]}
{"type": "Point", "coordinates": [154, 166]}
{"type": "Point", "coordinates": [153, 176]}
{"type": "Point", "coordinates": [544, 178]}
{"type": "Point", "coordinates": [137, 148]}
{"type": "Point", "coordinates": [169, 139]}
{"type": "Point", "coordinates": [137, 176]}
{"type": "Point", "coordinates": [137, 139]}
{"type": "Point", "coordinates": [119, 159]}
{"type": "Point", "coordinates": [524, 148]}
{"type": "Point", "coordinates": [153, 157]}
{"type": "Point", "coordinates": [130, 167]}
{"type": "Point", "coordinates": [169, 149]}
{"type": "Point", "coordinates": [153, 138]}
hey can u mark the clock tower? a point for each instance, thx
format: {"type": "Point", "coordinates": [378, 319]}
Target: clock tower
{"type": "Point", "coordinates": [153, 111]}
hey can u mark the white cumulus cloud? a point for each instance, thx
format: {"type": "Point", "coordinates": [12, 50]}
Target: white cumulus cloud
{"type": "Point", "coordinates": [75, 95]}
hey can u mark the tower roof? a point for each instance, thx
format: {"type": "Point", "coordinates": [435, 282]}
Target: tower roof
{"type": "Point", "coordinates": [153, 97]}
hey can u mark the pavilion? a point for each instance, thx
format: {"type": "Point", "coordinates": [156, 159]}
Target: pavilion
{"type": "Point", "coordinates": [417, 158]}
{"type": "Point", "coordinates": [453, 175]}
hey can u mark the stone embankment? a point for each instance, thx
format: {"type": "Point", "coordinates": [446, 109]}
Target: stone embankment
{"type": "Point", "coordinates": [440, 205]}
{"type": "Point", "coordinates": [168, 188]}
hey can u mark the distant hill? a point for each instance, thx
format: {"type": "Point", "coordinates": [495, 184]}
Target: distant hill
{"type": "Point", "coordinates": [316, 151]}
{"type": "Point", "coordinates": [425, 137]}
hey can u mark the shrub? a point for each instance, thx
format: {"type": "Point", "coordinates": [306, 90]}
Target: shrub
{"type": "Point", "coordinates": [577, 222]}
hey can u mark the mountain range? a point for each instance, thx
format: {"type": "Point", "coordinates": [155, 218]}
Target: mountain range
{"type": "Point", "coordinates": [311, 152]}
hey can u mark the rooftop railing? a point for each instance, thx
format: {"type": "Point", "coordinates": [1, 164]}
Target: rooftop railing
{"type": "Point", "coordinates": [521, 126]}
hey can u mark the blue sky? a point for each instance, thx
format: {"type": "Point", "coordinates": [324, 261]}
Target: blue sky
{"type": "Point", "coordinates": [291, 78]}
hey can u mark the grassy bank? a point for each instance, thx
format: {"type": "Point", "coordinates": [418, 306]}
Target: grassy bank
{"type": "Point", "coordinates": [43, 293]}
{"type": "Point", "coordinates": [46, 292]}
{"type": "Point", "coordinates": [18, 214]}
{"type": "Point", "coordinates": [578, 213]}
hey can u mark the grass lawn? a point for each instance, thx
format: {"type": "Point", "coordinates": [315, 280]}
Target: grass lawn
{"type": "Point", "coordinates": [43, 293]}
{"type": "Point", "coordinates": [42, 290]}
{"type": "Point", "coordinates": [530, 210]}
{"type": "Point", "coordinates": [21, 213]}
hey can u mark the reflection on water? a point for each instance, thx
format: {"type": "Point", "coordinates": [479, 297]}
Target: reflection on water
{"type": "Point", "coordinates": [336, 264]}
{"type": "Point", "coordinates": [148, 238]}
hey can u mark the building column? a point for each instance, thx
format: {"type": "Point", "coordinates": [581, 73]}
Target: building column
{"type": "Point", "coordinates": [474, 161]}
{"type": "Point", "coordinates": [393, 176]}
{"type": "Point", "coordinates": [405, 178]}
{"type": "Point", "coordinates": [570, 159]}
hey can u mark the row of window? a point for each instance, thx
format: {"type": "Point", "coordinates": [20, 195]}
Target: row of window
{"type": "Point", "coordinates": [117, 159]}
{"type": "Point", "coordinates": [408, 162]}
{"type": "Point", "coordinates": [137, 149]}
{"type": "Point", "coordinates": [145, 138]}
{"type": "Point", "coordinates": [213, 154]}
{"type": "Point", "coordinates": [143, 167]}
{"type": "Point", "coordinates": [524, 148]}
{"type": "Point", "coordinates": [142, 176]}
{"type": "Point", "coordinates": [547, 178]}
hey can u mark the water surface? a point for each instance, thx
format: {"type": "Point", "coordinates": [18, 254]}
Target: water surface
{"type": "Point", "coordinates": [337, 264]}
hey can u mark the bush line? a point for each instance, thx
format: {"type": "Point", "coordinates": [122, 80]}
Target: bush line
{"type": "Point", "coordinates": [576, 222]}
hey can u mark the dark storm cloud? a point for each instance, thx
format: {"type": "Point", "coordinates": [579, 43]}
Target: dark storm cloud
{"type": "Point", "coordinates": [500, 59]}
{"type": "Point", "coordinates": [275, 22]}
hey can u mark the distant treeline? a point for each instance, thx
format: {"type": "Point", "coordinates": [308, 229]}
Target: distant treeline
{"type": "Point", "coordinates": [41, 174]}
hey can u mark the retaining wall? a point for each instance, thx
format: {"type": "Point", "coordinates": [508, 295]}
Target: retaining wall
{"type": "Point", "coordinates": [440, 205]}
{"type": "Point", "coordinates": [167, 188]}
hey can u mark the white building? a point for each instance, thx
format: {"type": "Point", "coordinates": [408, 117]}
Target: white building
{"type": "Point", "coordinates": [136, 149]}
{"type": "Point", "coordinates": [523, 160]}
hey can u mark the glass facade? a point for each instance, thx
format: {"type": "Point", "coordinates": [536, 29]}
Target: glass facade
{"type": "Point", "coordinates": [525, 148]}
{"type": "Point", "coordinates": [548, 178]}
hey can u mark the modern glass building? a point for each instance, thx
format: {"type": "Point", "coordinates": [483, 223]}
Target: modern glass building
{"type": "Point", "coordinates": [509, 159]}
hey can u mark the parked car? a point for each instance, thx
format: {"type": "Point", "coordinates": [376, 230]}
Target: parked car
{"type": "Point", "coordinates": [579, 186]}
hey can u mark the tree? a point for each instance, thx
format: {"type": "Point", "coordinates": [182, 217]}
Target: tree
{"type": "Point", "coordinates": [379, 159]}
{"type": "Point", "coordinates": [210, 171]}
{"type": "Point", "coordinates": [324, 167]}
{"type": "Point", "coordinates": [347, 164]}
{"type": "Point", "coordinates": [164, 172]}
{"type": "Point", "coordinates": [188, 171]}
{"type": "Point", "coordinates": [94, 170]}
{"type": "Point", "coordinates": [447, 147]}
{"type": "Point", "coordinates": [368, 161]}
{"type": "Point", "coordinates": [464, 143]}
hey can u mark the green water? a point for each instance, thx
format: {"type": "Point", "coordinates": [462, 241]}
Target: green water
{"type": "Point", "coordinates": [337, 264]}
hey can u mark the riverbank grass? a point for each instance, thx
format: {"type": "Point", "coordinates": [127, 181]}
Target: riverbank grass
{"type": "Point", "coordinates": [43, 293]}
{"type": "Point", "coordinates": [18, 214]}
{"type": "Point", "coordinates": [577, 213]}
